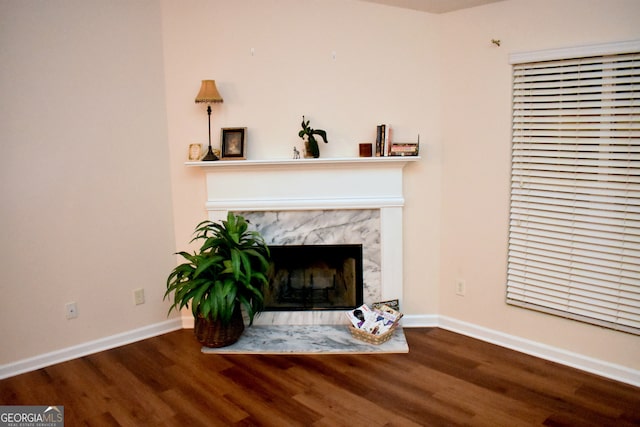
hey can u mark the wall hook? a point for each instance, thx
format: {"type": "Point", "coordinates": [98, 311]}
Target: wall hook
{"type": "Point", "coordinates": [496, 42]}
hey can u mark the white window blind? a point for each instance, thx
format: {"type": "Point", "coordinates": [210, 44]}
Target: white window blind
{"type": "Point", "coordinates": [574, 237]}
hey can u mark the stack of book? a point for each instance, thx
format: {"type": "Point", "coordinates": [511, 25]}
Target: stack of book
{"type": "Point", "coordinates": [383, 140]}
{"type": "Point", "coordinates": [404, 149]}
{"type": "Point", "coordinates": [385, 147]}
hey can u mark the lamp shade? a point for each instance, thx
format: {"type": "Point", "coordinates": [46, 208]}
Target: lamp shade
{"type": "Point", "coordinates": [208, 92]}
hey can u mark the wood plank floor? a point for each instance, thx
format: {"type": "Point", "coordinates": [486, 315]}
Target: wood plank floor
{"type": "Point", "coordinates": [446, 379]}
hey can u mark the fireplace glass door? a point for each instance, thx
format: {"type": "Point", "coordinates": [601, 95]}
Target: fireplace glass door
{"type": "Point", "coordinates": [314, 277]}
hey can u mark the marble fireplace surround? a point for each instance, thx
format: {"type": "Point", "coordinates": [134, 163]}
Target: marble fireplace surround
{"type": "Point", "coordinates": [319, 201]}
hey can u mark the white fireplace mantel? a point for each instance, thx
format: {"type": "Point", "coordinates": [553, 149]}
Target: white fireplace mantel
{"type": "Point", "coordinates": [402, 160]}
{"type": "Point", "coordinates": [317, 184]}
{"type": "Point", "coordinates": [286, 184]}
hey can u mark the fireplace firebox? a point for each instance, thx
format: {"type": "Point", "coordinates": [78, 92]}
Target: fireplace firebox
{"type": "Point", "coordinates": [315, 277]}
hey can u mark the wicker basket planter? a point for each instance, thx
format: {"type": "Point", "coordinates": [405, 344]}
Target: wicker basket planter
{"type": "Point", "coordinates": [223, 279]}
{"type": "Point", "coordinates": [215, 334]}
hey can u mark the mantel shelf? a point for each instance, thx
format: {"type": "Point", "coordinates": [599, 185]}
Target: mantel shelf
{"type": "Point", "coordinates": [322, 162]}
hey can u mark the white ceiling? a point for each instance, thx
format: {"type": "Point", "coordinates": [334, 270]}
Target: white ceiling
{"type": "Point", "coordinates": [434, 6]}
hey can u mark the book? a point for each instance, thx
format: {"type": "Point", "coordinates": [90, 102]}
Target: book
{"type": "Point", "coordinates": [380, 140]}
{"type": "Point", "coordinates": [383, 140]}
{"type": "Point", "coordinates": [394, 304]}
{"type": "Point", "coordinates": [381, 320]}
{"type": "Point", "coordinates": [359, 316]}
{"type": "Point", "coordinates": [388, 314]}
{"type": "Point", "coordinates": [387, 140]}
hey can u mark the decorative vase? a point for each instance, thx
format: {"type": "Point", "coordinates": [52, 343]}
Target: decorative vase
{"type": "Point", "coordinates": [215, 334]}
{"type": "Point", "coordinates": [311, 149]}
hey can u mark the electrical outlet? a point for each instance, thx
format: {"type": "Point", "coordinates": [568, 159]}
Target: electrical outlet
{"type": "Point", "coordinates": [460, 287]}
{"type": "Point", "coordinates": [138, 296]}
{"type": "Point", "coordinates": [72, 310]}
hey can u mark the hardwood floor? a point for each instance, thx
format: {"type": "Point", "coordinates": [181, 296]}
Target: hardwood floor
{"type": "Point", "coordinates": [446, 379]}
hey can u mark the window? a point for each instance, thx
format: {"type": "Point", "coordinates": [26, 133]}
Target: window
{"type": "Point", "coordinates": [574, 236]}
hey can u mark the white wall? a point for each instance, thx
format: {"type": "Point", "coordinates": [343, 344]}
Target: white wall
{"type": "Point", "coordinates": [84, 179]}
{"type": "Point", "coordinates": [476, 159]}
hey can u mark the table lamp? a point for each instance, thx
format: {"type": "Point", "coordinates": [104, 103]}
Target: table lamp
{"type": "Point", "coordinates": [209, 94]}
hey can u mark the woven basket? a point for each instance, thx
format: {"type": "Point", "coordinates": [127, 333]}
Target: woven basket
{"type": "Point", "coordinates": [215, 334]}
{"type": "Point", "coordinates": [370, 338]}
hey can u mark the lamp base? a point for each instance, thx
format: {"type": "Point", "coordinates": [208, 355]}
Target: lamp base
{"type": "Point", "coordinates": [210, 156]}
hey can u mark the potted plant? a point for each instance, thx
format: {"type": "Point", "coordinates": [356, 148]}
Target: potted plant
{"type": "Point", "coordinates": [227, 273]}
{"type": "Point", "coordinates": [308, 134]}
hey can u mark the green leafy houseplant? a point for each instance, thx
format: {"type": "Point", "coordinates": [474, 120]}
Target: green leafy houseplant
{"type": "Point", "coordinates": [225, 274]}
{"type": "Point", "coordinates": [311, 142]}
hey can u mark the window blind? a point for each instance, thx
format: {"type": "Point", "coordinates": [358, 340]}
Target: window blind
{"type": "Point", "coordinates": [574, 236]}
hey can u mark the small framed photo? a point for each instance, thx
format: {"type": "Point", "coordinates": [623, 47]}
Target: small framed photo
{"type": "Point", "coordinates": [234, 143]}
{"type": "Point", "coordinates": [195, 152]}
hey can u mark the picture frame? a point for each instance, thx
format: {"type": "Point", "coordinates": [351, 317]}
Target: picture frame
{"type": "Point", "coordinates": [195, 152]}
{"type": "Point", "coordinates": [233, 143]}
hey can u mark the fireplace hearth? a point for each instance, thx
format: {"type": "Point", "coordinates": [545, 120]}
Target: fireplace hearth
{"type": "Point", "coordinates": [315, 277]}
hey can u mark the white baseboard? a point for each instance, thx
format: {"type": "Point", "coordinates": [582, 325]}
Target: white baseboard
{"type": "Point", "coordinates": [543, 351]}
{"type": "Point", "coordinates": [420, 321]}
{"type": "Point", "coordinates": [58, 356]}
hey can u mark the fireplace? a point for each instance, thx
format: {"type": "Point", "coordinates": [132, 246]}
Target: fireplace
{"type": "Point", "coordinates": [314, 277]}
{"type": "Point", "coordinates": [332, 228]}
{"type": "Point", "coordinates": [341, 201]}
